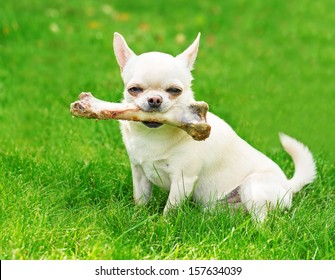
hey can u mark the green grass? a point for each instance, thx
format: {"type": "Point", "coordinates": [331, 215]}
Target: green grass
{"type": "Point", "coordinates": [65, 184]}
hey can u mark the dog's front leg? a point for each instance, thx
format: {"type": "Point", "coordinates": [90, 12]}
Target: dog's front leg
{"type": "Point", "coordinates": [181, 189]}
{"type": "Point", "coordinates": [142, 187]}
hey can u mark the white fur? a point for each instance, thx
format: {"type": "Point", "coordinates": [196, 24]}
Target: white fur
{"type": "Point", "coordinates": [210, 169]}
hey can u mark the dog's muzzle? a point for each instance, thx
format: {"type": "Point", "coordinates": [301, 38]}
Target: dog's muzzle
{"type": "Point", "coordinates": [154, 103]}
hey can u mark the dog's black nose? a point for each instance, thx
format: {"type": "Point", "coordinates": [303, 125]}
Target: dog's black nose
{"type": "Point", "coordinates": [155, 101]}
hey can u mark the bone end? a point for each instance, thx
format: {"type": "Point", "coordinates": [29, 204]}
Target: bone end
{"type": "Point", "coordinates": [85, 95]}
{"type": "Point", "coordinates": [200, 108]}
{"type": "Point", "coordinates": [81, 107]}
{"type": "Point", "coordinates": [198, 131]}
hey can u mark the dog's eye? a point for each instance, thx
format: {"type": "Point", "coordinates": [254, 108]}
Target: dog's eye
{"type": "Point", "coordinates": [174, 91]}
{"type": "Point", "coordinates": [135, 90]}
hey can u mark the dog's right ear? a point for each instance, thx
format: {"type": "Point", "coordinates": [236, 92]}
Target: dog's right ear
{"type": "Point", "coordinates": [190, 54]}
{"type": "Point", "coordinates": [122, 52]}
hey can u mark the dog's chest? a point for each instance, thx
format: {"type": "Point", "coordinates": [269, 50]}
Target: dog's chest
{"type": "Point", "coordinates": [154, 158]}
{"type": "Point", "coordinates": [156, 168]}
{"type": "Point", "coordinates": [155, 151]}
{"type": "Point", "coordinates": [157, 172]}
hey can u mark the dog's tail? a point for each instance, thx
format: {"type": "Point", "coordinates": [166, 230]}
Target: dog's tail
{"type": "Point", "coordinates": [305, 168]}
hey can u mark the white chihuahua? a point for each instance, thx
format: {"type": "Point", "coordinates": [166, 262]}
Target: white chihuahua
{"type": "Point", "coordinates": [222, 166]}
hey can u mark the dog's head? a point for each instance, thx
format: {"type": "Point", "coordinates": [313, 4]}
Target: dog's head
{"type": "Point", "coordinates": [156, 81]}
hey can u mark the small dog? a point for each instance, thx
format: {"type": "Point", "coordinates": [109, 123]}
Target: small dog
{"type": "Point", "coordinates": [222, 167]}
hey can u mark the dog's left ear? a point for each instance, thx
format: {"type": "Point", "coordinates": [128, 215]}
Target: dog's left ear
{"type": "Point", "coordinates": [190, 54]}
{"type": "Point", "coordinates": [122, 52]}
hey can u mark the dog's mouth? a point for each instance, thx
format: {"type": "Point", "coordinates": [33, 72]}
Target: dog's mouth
{"type": "Point", "coordinates": [152, 124]}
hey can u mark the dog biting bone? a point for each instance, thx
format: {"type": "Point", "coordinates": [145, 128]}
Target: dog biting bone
{"type": "Point", "coordinates": [192, 118]}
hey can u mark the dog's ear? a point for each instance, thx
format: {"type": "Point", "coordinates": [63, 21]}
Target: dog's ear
{"type": "Point", "coordinates": [190, 54]}
{"type": "Point", "coordinates": [122, 52]}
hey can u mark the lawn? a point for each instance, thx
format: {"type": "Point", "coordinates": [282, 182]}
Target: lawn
{"type": "Point", "coordinates": [65, 183]}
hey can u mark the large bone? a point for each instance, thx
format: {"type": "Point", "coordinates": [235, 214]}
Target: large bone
{"type": "Point", "coordinates": [192, 118]}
